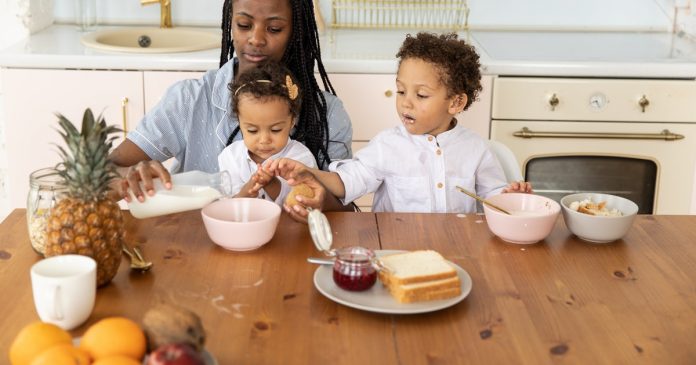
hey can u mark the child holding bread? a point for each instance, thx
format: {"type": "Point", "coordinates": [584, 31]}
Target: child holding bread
{"type": "Point", "coordinates": [416, 166]}
{"type": "Point", "coordinates": [267, 101]}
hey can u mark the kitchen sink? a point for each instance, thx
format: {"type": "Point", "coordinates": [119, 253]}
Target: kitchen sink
{"type": "Point", "coordinates": [153, 40]}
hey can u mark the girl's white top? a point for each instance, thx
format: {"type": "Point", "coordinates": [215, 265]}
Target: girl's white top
{"type": "Point", "coordinates": [235, 159]}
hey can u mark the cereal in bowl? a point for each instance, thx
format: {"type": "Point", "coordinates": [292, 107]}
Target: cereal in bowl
{"type": "Point", "coordinates": [587, 206]}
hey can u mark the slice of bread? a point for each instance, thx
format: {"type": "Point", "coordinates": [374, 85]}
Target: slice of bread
{"type": "Point", "coordinates": [407, 297]}
{"type": "Point", "coordinates": [419, 276]}
{"type": "Point", "coordinates": [430, 290]}
{"type": "Point", "coordinates": [415, 267]}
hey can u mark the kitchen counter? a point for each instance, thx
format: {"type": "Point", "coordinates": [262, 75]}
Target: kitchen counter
{"type": "Point", "coordinates": [574, 54]}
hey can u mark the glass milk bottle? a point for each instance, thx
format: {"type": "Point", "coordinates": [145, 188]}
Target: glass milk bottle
{"type": "Point", "coordinates": [190, 190]}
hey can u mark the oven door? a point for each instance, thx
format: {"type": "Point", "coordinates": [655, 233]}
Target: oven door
{"type": "Point", "coordinates": [645, 162]}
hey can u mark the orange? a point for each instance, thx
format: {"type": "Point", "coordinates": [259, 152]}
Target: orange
{"type": "Point", "coordinates": [116, 360]}
{"type": "Point", "coordinates": [33, 339]}
{"type": "Point", "coordinates": [63, 354]}
{"type": "Point", "coordinates": [114, 336]}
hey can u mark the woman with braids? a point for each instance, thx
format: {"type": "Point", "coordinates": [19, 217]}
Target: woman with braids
{"type": "Point", "coordinates": [194, 121]}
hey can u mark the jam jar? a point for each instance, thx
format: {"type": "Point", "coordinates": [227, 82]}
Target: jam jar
{"type": "Point", "coordinates": [46, 187]}
{"type": "Point", "coordinates": [354, 269]}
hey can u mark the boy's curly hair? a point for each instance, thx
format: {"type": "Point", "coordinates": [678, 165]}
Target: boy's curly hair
{"type": "Point", "coordinates": [457, 62]}
{"type": "Point", "coordinates": [267, 81]}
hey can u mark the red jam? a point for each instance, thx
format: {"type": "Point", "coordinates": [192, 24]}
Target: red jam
{"type": "Point", "coordinates": [353, 269]}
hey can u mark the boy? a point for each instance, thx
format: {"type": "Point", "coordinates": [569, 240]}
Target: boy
{"type": "Point", "coordinates": [416, 166]}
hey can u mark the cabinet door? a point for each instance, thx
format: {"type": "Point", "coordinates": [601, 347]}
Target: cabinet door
{"type": "Point", "coordinates": [156, 84]}
{"type": "Point", "coordinates": [32, 97]}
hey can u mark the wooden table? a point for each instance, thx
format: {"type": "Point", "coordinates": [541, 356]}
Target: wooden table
{"type": "Point", "coordinates": [559, 301]}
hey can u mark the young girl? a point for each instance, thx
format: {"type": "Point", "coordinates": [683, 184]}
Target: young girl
{"type": "Point", "coordinates": [194, 122]}
{"type": "Point", "coordinates": [267, 101]}
{"type": "Point", "coordinates": [416, 166]}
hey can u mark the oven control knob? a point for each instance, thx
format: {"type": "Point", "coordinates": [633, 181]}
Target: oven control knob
{"type": "Point", "coordinates": [598, 101]}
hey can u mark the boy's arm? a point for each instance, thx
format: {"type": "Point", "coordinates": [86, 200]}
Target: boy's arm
{"type": "Point", "coordinates": [331, 181]}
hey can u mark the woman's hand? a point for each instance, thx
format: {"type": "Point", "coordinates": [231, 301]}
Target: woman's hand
{"type": "Point", "coordinates": [299, 211]}
{"type": "Point", "coordinates": [143, 172]}
{"type": "Point", "coordinates": [518, 187]}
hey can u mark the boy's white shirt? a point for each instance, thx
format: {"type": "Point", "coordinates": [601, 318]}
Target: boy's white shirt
{"type": "Point", "coordinates": [235, 159]}
{"type": "Point", "coordinates": [405, 171]}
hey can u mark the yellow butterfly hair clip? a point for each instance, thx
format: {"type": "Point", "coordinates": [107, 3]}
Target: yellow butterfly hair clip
{"type": "Point", "coordinates": [293, 90]}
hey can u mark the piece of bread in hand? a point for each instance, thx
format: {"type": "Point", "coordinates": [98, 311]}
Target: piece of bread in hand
{"type": "Point", "coordinates": [419, 276]}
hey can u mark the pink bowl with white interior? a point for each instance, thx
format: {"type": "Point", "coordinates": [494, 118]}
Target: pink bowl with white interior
{"type": "Point", "coordinates": [532, 219]}
{"type": "Point", "coordinates": [241, 224]}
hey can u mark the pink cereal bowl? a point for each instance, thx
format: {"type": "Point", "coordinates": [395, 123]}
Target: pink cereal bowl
{"type": "Point", "coordinates": [241, 224]}
{"type": "Point", "coordinates": [532, 219]}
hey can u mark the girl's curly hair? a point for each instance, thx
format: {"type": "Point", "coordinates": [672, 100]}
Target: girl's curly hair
{"type": "Point", "coordinates": [268, 81]}
{"type": "Point", "coordinates": [457, 62]}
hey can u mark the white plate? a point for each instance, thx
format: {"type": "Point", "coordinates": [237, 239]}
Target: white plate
{"type": "Point", "coordinates": [207, 356]}
{"type": "Point", "coordinates": [377, 299]}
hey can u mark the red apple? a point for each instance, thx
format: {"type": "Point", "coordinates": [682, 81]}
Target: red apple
{"type": "Point", "coordinates": [175, 354]}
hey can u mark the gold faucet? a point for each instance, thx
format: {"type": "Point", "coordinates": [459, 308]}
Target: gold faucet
{"type": "Point", "coordinates": [165, 11]}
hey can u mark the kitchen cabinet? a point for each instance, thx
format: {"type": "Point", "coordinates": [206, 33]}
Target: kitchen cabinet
{"type": "Point", "coordinates": [33, 96]}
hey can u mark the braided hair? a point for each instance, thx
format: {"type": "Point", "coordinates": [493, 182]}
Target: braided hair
{"type": "Point", "coordinates": [301, 52]}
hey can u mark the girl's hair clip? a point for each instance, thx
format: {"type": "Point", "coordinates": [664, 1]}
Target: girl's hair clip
{"type": "Point", "coordinates": [293, 90]}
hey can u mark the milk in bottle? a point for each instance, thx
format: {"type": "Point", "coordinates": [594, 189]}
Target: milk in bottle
{"type": "Point", "coordinates": [190, 190]}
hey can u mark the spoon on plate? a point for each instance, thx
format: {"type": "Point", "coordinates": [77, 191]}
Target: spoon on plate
{"type": "Point", "coordinates": [482, 200]}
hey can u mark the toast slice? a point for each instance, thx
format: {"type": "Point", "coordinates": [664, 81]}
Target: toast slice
{"type": "Point", "coordinates": [430, 290]}
{"type": "Point", "coordinates": [415, 267]}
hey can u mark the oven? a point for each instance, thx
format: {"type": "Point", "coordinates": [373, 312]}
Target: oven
{"type": "Point", "coordinates": [630, 137]}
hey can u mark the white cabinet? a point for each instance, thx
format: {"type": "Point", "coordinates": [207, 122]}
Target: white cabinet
{"type": "Point", "coordinates": [370, 101]}
{"type": "Point", "coordinates": [32, 97]}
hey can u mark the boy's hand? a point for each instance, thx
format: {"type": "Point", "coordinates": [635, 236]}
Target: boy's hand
{"type": "Point", "coordinates": [285, 168]}
{"type": "Point", "coordinates": [518, 187]}
{"type": "Point", "coordinates": [299, 211]}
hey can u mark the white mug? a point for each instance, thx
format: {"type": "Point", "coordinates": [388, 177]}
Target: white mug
{"type": "Point", "coordinates": [64, 289]}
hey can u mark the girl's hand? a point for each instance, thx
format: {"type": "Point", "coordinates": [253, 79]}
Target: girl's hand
{"type": "Point", "coordinates": [299, 211]}
{"type": "Point", "coordinates": [145, 172]}
{"type": "Point", "coordinates": [285, 168]}
{"type": "Point", "coordinates": [260, 179]}
{"type": "Point", "coordinates": [518, 187]}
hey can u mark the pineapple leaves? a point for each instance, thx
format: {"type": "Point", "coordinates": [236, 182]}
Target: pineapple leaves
{"type": "Point", "coordinates": [86, 168]}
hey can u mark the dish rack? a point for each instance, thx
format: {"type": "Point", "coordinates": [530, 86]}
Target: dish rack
{"type": "Point", "coordinates": [398, 14]}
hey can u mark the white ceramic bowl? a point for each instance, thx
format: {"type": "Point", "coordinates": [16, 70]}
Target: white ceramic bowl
{"type": "Point", "coordinates": [241, 224]}
{"type": "Point", "coordinates": [599, 229]}
{"type": "Point", "coordinates": [532, 219]}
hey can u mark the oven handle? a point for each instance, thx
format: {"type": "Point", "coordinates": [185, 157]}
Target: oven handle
{"type": "Point", "coordinates": [664, 135]}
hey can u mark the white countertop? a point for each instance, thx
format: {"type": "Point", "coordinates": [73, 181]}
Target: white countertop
{"type": "Point", "coordinates": [592, 54]}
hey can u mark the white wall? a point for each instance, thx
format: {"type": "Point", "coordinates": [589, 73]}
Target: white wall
{"type": "Point", "coordinates": [537, 14]}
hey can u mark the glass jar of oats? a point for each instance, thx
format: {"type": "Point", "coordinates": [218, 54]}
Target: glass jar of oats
{"type": "Point", "coordinates": [46, 187]}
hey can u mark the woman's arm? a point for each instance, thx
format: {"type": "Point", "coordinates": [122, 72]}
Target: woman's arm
{"type": "Point", "coordinates": [136, 166]}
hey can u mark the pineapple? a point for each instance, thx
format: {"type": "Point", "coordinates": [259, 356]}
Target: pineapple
{"type": "Point", "coordinates": [86, 221]}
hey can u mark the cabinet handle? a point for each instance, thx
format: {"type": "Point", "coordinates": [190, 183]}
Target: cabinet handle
{"type": "Point", "coordinates": [124, 111]}
{"type": "Point", "coordinates": [643, 102]}
{"type": "Point", "coordinates": [553, 102]}
{"type": "Point", "coordinates": [664, 135]}
{"type": "Point", "coordinates": [388, 93]}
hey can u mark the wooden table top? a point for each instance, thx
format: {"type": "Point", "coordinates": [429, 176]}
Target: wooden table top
{"type": "Point", "coordinates": [559, 301]}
